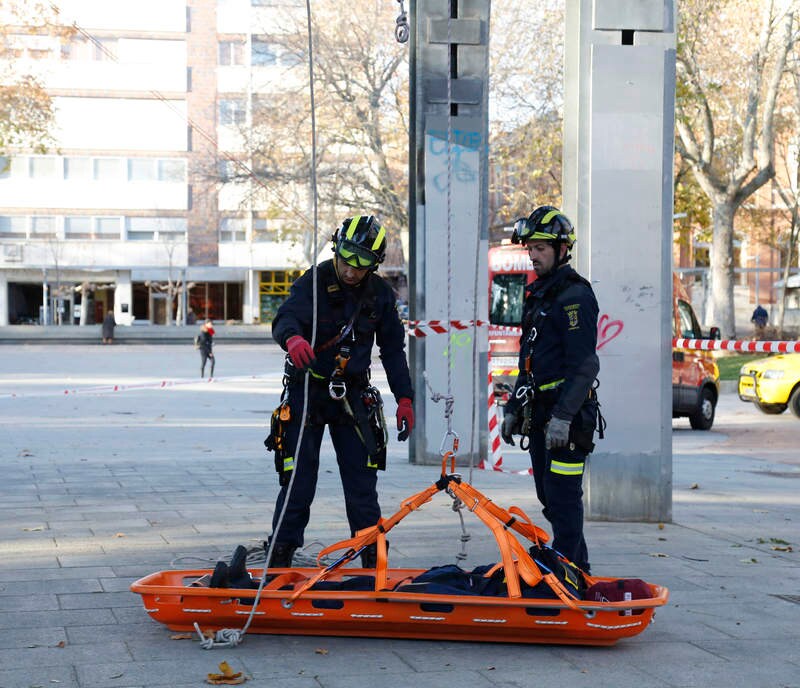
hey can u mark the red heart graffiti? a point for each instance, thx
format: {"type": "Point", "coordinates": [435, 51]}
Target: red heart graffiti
{"type": "Point", "coordinates": [607, 330]}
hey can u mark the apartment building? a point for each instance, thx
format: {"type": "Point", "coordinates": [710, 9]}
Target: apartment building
{"type": "Point", "coordinates": [126, 212]}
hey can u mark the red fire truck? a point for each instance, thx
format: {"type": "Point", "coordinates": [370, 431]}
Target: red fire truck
{"type": "Point", "coordinates": [510, 271]}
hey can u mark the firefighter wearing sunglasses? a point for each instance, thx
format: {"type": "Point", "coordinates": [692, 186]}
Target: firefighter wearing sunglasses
{"type": "Point", "coordinates": [355, 309]}
{"type": "Point", "coordinates": [554, 405]}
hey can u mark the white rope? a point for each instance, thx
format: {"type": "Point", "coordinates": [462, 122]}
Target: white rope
{"type": "Point", "coordinates": [230, 637]}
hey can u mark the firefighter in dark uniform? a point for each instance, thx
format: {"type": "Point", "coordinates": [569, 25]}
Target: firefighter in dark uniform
{"type": "Point", "coordinates": [355, 308]}
{"type": "Point", "coordinates": [554, 404]}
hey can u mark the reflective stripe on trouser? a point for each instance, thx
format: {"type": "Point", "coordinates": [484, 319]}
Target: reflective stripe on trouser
{"type": "Point", "coordinates": [558, 475]}
{"type": "Point", "coordinates": [358, 481]}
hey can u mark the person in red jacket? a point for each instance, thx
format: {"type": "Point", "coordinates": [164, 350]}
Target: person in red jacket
{"type": "Point", "coordinates": [205, 342]}
{"type": "Point", "coordinates": [355, 309]}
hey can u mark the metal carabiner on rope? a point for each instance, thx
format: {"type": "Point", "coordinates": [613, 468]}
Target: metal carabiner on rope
{"type": "Point", "coordinates": [402, 30]}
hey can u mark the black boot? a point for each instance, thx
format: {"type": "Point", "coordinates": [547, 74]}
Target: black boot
{"type": "Point", "coordinates": [282, 554]}
{"type": "Point", "coordinates": [219, 579]}
{"type": "Point", "coordinates": [237, 570]}
{"type": "Point", "coordinates": [369, 556]}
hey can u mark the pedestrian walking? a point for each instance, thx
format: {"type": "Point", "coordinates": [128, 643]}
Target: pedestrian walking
{"type": "Point", "coordinates": [205, 342]}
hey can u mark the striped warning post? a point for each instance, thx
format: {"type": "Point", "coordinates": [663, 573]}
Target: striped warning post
{"type": "Point", "coordinates": [496, 456]}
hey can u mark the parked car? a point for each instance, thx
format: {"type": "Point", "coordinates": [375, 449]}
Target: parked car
{"type": "Point", "coordinates": [695, 374]}
{"type": "Point", "coordinates": [772, 383]}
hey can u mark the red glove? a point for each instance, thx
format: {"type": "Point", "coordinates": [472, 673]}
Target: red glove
{"type": "Point", "coordinates": [300, 352]}
{"type": "Point", "coordinates": [405, 418]}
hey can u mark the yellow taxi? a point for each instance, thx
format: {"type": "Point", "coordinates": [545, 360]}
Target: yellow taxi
{"type": "Point", "coordinates": [772, 383]}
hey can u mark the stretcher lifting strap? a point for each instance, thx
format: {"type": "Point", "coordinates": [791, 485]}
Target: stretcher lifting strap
{"type": "Point", "coordinates": [515, 559]}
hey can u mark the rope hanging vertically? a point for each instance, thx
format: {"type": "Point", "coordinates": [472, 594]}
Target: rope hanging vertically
{"type": "Point", "coordinates": [228, 637]}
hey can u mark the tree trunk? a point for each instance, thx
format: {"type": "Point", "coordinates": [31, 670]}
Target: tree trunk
{"type": "Point", "coordinates": [722, 313]}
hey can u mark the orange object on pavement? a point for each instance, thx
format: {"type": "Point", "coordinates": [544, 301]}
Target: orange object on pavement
{"type": "Point", "coordinates": [295, 601]}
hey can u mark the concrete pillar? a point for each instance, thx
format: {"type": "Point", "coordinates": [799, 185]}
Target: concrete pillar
{"type": "Point", "coordinates": [123, 298]}
{"type": "Point", "coordinates": [251, 297]}
{"type": "Point", "coordinates": [618, 151]}
{"type": "Point", "coordinates": [3, 299]}
{"type": "Point", "coordinates": [449, 182]}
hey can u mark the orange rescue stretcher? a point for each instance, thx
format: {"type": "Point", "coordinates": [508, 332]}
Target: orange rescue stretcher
{"type": "Point", "coordinates": [308, 601]}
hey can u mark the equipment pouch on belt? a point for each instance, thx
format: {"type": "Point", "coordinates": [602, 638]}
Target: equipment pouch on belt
{"type": "Point", "coordinates": [276, 442]}
{"type": "Point", "coordinates": [586, 421]}
{"type": "Point", "coordinates": [371, 426]}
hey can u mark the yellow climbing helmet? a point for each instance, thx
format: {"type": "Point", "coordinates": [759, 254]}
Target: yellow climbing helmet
{"type": "Point", "coordinates": [360, 242]}
{"type": "Point", "coordinates": [546, 223]}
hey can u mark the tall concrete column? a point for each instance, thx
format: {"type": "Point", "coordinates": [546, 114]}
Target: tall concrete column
{"type": "Point", "coordinates": [448, 236]}
{"type": "Point", "coordinates": [3, 299]}
{"type": "Point", "coordinates": [618, 152]}
{"type": "Point", "coordinates": [123, 298]}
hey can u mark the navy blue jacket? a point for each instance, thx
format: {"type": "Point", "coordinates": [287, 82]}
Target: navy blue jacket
{"type": "Point", "coordinates": [563, 310]}
{"type": "Point", "coordinates": [378, 322]}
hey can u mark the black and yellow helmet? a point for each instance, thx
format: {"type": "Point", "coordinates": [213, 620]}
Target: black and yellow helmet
{"type": "Point", "coordinates": [360, 242]}
{"type": "Point", "coordinates": [546, 223]}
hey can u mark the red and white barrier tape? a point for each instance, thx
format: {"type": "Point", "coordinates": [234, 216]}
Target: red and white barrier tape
{"type": "Point", "coordinates": [106, 389]}
{"type": "Point", "coordinates": [416, 328]}
{"type": "Point", "coordinates": [739, 346]}
{"type": "Point", "coordinates": [495, 454]}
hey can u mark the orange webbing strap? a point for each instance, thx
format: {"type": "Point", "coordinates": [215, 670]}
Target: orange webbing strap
{"type": "Point", "coordinates": [510, 518]}
{"type": "Point", "coordinates": [499, 520]}
{"type": "Point", "coordinates": [367, 536]}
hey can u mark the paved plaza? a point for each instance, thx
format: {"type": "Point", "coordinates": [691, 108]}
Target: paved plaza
{"type": "Point", "coordinates": [101, 487]}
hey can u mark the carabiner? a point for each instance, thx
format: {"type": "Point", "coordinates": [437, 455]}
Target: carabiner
{"type": "Point", "coordinates": [524, 393]}
{"type": "Point", "coordinates": [454, 435]}
{"type": "Point", "coordinates": [337, 389]}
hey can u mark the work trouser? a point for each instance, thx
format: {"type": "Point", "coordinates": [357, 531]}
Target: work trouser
{"type": "Point", "coordinates": [359, 481]}
{"type": "Point", "coordinates": [558, 475]}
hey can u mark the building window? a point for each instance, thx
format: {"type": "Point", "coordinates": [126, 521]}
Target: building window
{"type": "Point", "coordinates": [232, 111]}
{"type": "Point", "coordinates": [263, 52]}
{"type": "Point", "coordinates": [43, 226]}
{"type": "Point", "coordinates": [13, 226]}
{"type": "Point", "coordinates": [108, 169]}
{"type": "Point", "coordinates": [78, 227]}
{"type": "Point", "coordinates": [78, 168]}
{"type": "Point", "coordinates": [106, 227]}
{"type": "Point", "coordinates": [44, 167]}
{"type": "Point", "coordinates": [232, 229]}
{"type": "Point", "coordinates": [172, 170]}
{"type": "Point", "coordinates": [156, 228]}
{"type": "Point", "coordinates": [265, 229]}
{"type": "Point", "coordinates": [231, 53]}
{"type": "Point", "coordinates": [141, 170]}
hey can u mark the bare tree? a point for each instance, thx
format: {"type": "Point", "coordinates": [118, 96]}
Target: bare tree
{"type": "Point", "coordinates": [526, 107]}
{"type": "Point", "coordinates": [361, 88]}
{"type": "Point", "coordinates": [728, 90]}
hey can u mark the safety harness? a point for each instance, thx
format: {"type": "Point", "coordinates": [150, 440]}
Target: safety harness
{"type": "Point", "coordinates": [365, 411]}
{"type": "Point", "coordinates": [530, 390]}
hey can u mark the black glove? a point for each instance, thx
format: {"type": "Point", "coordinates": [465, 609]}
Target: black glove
{"type": "Point", "coordinates": [507, 428]}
